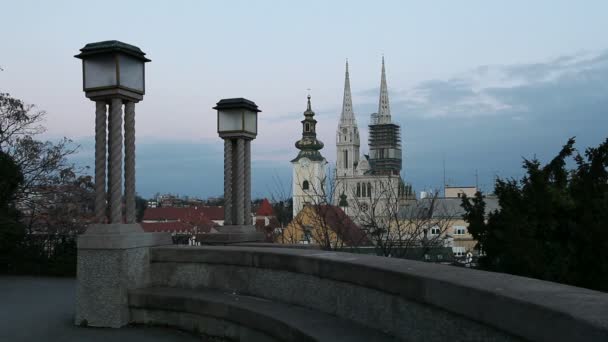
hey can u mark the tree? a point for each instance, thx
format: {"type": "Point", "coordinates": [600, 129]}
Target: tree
{"type": "Point", "coordinates": [282, 203]}
{"type": "Point", "coordinates": [51, 199]}
{"type": "Point", "coordinates": [399, 225]}
{"type": "Point", "coordinates": [552, 224]}
{"type": "Point", "coordinates": [141, 204]}
{"type": "Point", "coordinates": [44, 165]}
{"type": "Point", "coordinates": [11, 230]}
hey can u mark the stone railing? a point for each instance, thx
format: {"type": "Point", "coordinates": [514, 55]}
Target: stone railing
{"type": "Point", "coordinates": [404, 299]}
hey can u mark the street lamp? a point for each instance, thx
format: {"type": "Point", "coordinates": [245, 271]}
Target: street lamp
{"type": "Point", "coordinates": [113, 74]}
{"type": "Point", "coordinates": [110, 252]}
{"type": "Point", "coordinates": [113, 69]}
{"type": "Point", "coordinates": [237, 118]}
{"type": "Point", "coordinates": [237, 124]}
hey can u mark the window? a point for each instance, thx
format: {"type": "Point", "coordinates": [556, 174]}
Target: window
{"type": "Point", "coordinates": [364, 207]}
{"type": "Point", "coordinates": [460, 230]}
{"type": "Point", "coordinates": [435, 231]}
{"type": "Point", "coordinates": [305, 185]}
{"type": "Point", "coordinates": [307, 127]}
{"type": "Point", "coordinates": [459, 251]}
{"type": "Point", "coordinates": [358, 189]}
{"type": "Point", "coordinates": [346, 159]}
{"type": "Point", "coordinates": [369, 190]}
{"type": "Point", "coordinates": [307, 235]}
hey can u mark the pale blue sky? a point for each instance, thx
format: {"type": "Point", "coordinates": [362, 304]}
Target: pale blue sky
{"type": "Point", "coordinates": [479, 82]}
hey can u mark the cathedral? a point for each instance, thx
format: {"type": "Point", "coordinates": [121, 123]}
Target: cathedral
{"type": "Point", "coordinates": [362, 184]}
{"type": "Point", "coordinates": [369, 184]}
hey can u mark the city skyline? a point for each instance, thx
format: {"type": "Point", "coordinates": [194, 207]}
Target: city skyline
{"type": "Point", "coordinates": [479, 96]}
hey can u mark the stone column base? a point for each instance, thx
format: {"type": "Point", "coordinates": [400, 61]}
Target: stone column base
{"type": "Point", "coordinates": [231, 234]}
{"type": "Point", "coordinates": [112, 259]}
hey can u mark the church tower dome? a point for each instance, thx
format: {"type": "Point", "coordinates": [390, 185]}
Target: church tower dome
{"type": "Point", "coordinates": [309, 145]}
{"type": "Point", "coordinates": [309, 166]}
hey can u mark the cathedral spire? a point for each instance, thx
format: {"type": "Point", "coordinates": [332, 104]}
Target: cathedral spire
{"type": "Point", "coordinates": [384, 109]}
{"type": "Point", "coordinates": [347, 117]}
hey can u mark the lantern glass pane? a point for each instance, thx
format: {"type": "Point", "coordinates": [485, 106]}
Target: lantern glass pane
{"type": "Point", "coordinates": [230, 121]}
{"type": "Point", "coordinates": [131, 72]}
{"type": "Point", "coordinates": [99, 71]}
{"type": "Point", "coordinates": [251, 122]}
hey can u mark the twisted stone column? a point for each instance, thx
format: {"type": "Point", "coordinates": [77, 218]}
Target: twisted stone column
{"type": "Point", "coordinates": [100, 162]}
{"type": "Point", "coordinates": [240, 180]}
{"type": "Point", "coordinates": [130, 162]}
{"type": "Point", "coordinates": [115, 161]}
{"type": "Point", "coordinates": [228, 182]}
{"type": "Point", "coordinates": [247, 182]}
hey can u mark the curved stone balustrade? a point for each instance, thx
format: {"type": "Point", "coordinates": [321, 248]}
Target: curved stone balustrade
{"type": "Point", "coordinates": [407, 299]}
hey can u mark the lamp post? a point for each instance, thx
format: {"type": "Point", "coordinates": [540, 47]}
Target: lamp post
{"type": "Point", "coordinates": [111, 252]}
{"type": "Point", "coordinates": [113, 75]}
{"type": "Point", "coordinates": [237, 124]}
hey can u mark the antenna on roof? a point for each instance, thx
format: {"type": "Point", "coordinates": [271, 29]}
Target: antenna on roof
{"type": "Point", "coordinates": [444, 183]}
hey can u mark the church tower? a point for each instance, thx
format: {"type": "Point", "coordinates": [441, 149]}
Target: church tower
{"type": "Point", "coordinates": [347, 135]}
{"type": "Point", "coordinates": [309, 166]}
{"type": "Point", "coordinates": [384, 136]}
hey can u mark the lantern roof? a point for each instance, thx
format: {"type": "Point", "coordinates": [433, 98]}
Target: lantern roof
{"type": "Point", "coordinates": [236, 103]}
{"type": "Point", "coordinates": [111, 46]}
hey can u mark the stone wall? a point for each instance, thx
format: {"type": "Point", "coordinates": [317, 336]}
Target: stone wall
{"type": "Point", "coordinates": [408, 299]}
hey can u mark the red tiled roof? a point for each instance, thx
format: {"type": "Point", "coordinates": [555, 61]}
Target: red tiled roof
{"type": "Point", "coordinates": [174, 214]}
{"type": "Point", "coordinates": [336, 220]}
{"type": "Point", "coordinates": [193, 218]}
{"type": "Point", "coordinates": [213, 213]}
{"type": "Point", "coordinates": [265, 209]}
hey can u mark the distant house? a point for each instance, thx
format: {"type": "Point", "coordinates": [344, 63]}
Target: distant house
{"type": "Point", "coordinates": [183, 223]}
{"type": "Point", "coordinates": [266, 221]}
{"type": "Point", "coordinates": [324, 225]}
{"type": "Point", "coordinates": [449, 212]}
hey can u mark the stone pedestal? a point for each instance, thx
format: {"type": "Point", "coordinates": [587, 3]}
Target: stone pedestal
{"type": "Point", "coordinates": [231, 234]}
{"type": "Point", "coordinates": [112, 259]}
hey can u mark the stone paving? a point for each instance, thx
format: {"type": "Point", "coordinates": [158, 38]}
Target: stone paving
{"type": "Point", "coordinates": [42, 309]}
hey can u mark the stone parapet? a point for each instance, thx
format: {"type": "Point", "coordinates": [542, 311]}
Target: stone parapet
{"type": "Point", "coordinates": [407, 299]}
{"type": "Point", "coordinates": [112, 259]}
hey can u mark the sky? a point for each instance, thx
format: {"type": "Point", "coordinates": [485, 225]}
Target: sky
{"type": "Point", "coordinates": [475, 85]}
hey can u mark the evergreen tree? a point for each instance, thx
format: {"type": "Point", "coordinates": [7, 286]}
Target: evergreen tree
{"type": "Point", "coordinates": [552, 224]}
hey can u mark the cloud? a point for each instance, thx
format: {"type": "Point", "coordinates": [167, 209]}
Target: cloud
{"type": "Point", "coordinates": [506, 89]}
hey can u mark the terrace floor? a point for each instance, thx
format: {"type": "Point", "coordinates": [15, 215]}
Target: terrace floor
{"type": "Point", "coordinates": [42, 309]}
